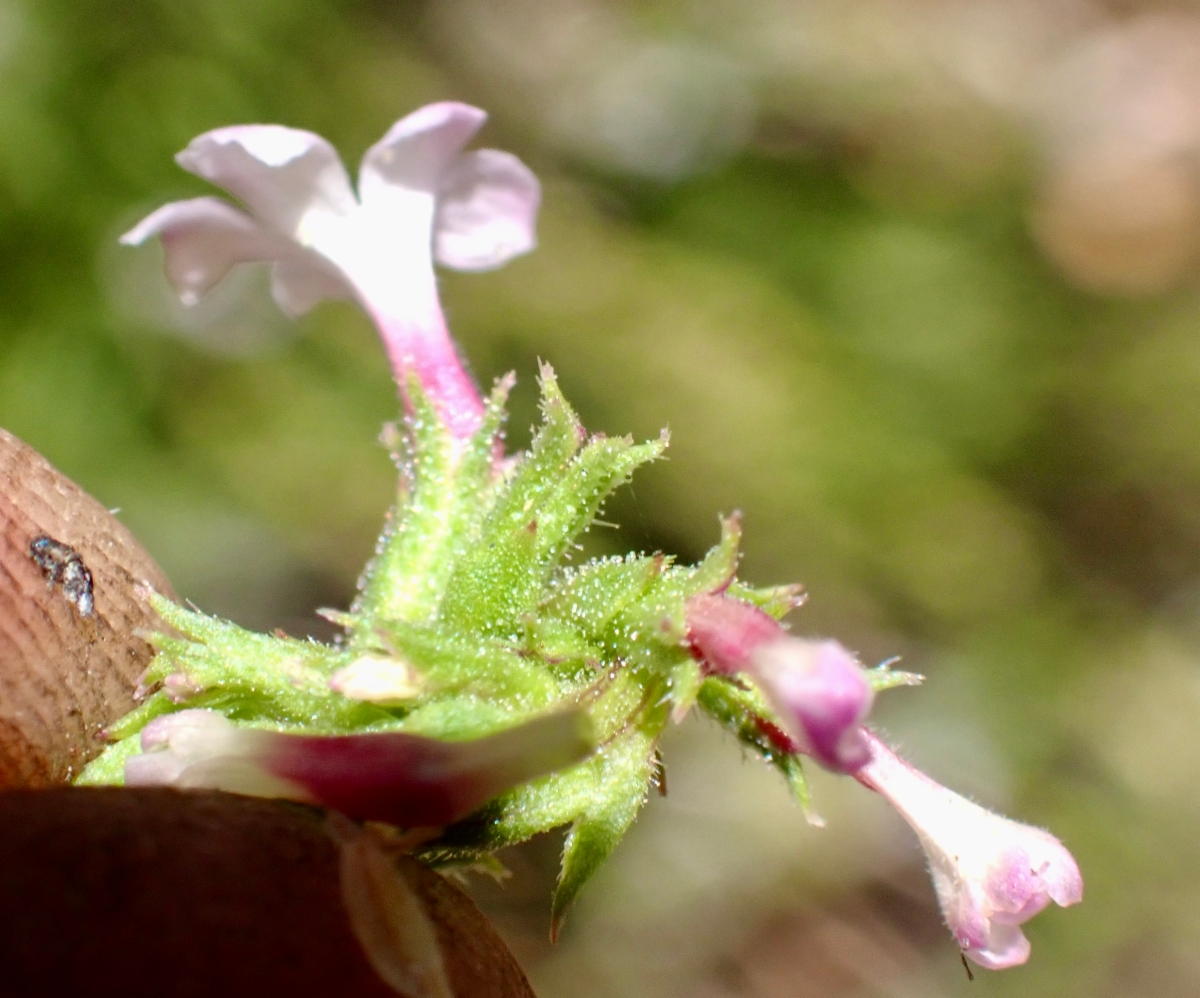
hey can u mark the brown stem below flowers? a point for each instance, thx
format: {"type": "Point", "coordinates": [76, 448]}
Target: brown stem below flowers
{"type": "Point", "coordinates": [65, 672]}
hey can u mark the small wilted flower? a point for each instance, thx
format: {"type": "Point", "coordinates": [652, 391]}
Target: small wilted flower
{"type": "Point", "coordinates": [379, 679]}
{"type": "Point", "coordinates": [819, 691]}
{"type": "Point", "coordinates": [406, 780]}
{"type": "Point", "coordinates": [420, 197]}
{"type": "Point", "coordinates": [991, 874]}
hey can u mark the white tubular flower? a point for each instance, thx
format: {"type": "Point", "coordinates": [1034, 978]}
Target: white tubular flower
{"type": "Point", "coordinates": [991, 874]}
{"type": "Point", "coordinates": [420, 197]}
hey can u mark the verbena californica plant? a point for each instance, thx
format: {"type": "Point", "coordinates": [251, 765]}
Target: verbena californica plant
{"type": "Point", "coordinates": [484, 690]}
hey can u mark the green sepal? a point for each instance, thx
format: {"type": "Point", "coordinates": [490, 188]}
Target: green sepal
{"type": "Point", "coordinates": [621, 776]}
{"type": "Point", "coordinates": [132, 723]}
{"type": "Point", "coordinates": [686, 680]}
{"type": "Point", "coordinates": [554, 495]}
{"type": "Point", "coordinates": [445, 493]}
{"type": "Point", "coordinates": [590, 597]}
{"type": "Point", "coordinates": [250, 676]}
{"type": "Point", "coordinates": [743, 711]}
{"type": "Point", "coordinates": [108, 768]}
{"type": "Point", "coordinates": [450, 661]}
{"type": "Point", "coordinates": [775, 601]}
{"type": "Point", "coordinates": [640, 630]}
{"type": "Point", "coordinates": [884, 677]}
{"type": "Point", "coordinates": [618, 702]}
{"type": "Point", "coordinates": [454, 718]}
{"type": "Point", "coordinates": [719, 566]}
{"type": "Point", "coordinates": [563, 650]}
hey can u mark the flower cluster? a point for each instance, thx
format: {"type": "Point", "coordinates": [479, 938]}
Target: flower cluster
{"type": "Point", "coordinates": [476, 662]}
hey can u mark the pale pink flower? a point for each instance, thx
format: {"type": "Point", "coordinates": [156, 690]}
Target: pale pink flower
{"type": "Point", "coordinates": [420, 198]}
{"type": "Point", "coordinates": [991, 874]}
{"type": "Point", "coordinates": [817, 689]}
{"type": "Point", "coordinates": [405, 780]}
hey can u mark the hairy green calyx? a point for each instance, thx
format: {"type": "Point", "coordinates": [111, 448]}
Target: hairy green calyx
{"type": "Point", "coordinates": [468, 595]}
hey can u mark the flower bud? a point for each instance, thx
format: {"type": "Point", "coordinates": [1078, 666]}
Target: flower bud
{"type": "Point", "coordinates": [817, 688]}
{"type": "Point", "coordinates": [405, 780]}
{"type": "Point", "coordinates": [822, 695]}
{"type": "Point", "coordinates": [991, 874]}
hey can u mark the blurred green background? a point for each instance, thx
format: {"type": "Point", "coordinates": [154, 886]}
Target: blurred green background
{"type": "Point", "coordinates": [913, 283]}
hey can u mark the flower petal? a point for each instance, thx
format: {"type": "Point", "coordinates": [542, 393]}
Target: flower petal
{"type": "Point", "coordinates": [409, 780]}
{"type": "Point", "coordinates": [285, 176]}
{"type": "Point", "coordinates": [203, 238]}
{"type": "Point", "coordinates": [303, 280]}
{"type": "Point", "coordinates": [1007, 946]}
{"type": "Point", "coordinates": [419, 149]}
{"type": "Point", "coordinates": [381, 679]}
{"type": "Point", "coordinates": [153, 769]}
{"type": "Point", "coordinates": [403, 779]}
{"type": "Point", "coordinates": [487, 211]}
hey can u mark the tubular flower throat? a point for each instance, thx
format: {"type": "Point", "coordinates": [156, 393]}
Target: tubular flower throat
{"type": "Point", "coordinates": [991, 874]}
{"type": "Point", "coordinates": [420, 198]}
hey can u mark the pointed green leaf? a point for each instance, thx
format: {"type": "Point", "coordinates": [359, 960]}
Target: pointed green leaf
{"type": "Point", "coordinates": [602, 465]}
{"type": "Point", "coordinates": [501, 579]}
{"type": "Point", "coordinates": [719, 566]}
{"type": "Point", "coordinates": [456, 718]}
{"type": "Point", "coordinates": [643, 628]}
{"type": "Point", "coordinates": [250, 676]}
{"type": "Point", "coordinates": [777, 601]}
{"type": "Point", "coordinates": [622, 775]}
{"type": "Point", "coordinates": [132, 723]}
{"type": "Point", "coordinates": [686, 680]}
{"type": "Point", "coordinates": [450, 661]}
{"type": "Point", "coordinates": [884, 677]}
{"type": "Point", "coordinates": [537, 472]}
{"type": "Point", "coordinates": [591, 596]}
{"type": "Point", "coordinates": [622, 706]}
